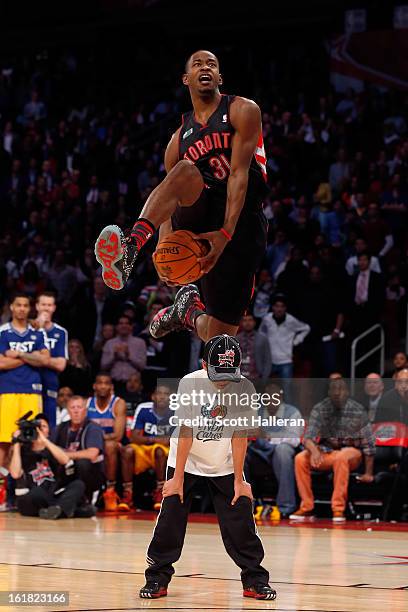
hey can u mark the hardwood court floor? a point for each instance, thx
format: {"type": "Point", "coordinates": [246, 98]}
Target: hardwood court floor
{"type": "Point", "coordinates": [100, 562]}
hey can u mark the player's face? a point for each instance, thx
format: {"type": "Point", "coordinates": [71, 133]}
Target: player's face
{"type": "Point", "coordinates": [161, 398]}
{"type": "Point", "coordinates": [203, 73]}
{"type": "Point", "coordinates": [46, 306]}
{"type": "Point", "coordinates": [103, 386]}
{"type": "Point", "coordinates": [20, 309]}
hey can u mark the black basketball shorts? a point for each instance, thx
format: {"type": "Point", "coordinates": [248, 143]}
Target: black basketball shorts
{"type": "Point", "coordinates": [227, 289]}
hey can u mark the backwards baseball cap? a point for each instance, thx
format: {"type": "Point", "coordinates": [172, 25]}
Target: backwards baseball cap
{"type": "Point", "coordinates": [223, 357]}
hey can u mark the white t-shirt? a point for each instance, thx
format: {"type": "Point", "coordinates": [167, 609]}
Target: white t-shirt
{"type": "Point", "coordinates": [213, 415]}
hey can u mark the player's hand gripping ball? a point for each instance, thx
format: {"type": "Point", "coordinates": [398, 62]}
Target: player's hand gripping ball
{"type": "Point", "coordinates": [176, 257]}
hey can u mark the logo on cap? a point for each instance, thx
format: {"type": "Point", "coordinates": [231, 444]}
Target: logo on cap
{"type": "Point", "coordinates": [226, 358]}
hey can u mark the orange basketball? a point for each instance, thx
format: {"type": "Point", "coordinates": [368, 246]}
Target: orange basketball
{"type": "Point", "coordinates": [176, 257]}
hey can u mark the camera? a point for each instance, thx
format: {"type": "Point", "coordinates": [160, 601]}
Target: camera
{"type": "Point", "coordinates": [28, 429]}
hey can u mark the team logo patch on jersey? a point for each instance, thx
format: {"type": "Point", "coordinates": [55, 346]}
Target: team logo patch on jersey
{"type": "Point", "coordinates": [211, 412]}
{"type": "Point", "coordinates": [224, 118]}
{"type": "Point", "coordinates": [188, 133]}
{"type": "Point", "coordinates": [227, 358]}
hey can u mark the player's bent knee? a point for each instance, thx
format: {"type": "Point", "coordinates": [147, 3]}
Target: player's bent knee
{"type": "Point", "coordinates": [127, 451]}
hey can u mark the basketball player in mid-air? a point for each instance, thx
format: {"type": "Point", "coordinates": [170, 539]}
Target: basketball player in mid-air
{"type": "Point", "coordinates": [215, 184]}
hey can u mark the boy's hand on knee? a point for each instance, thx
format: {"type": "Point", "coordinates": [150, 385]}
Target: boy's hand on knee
{"type": "Point", "coordinates": [173, 487]}
{"type": "Point", "coordinates": [241, 489]}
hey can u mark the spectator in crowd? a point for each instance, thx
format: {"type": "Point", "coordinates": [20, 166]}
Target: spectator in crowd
{"type": "Point", "coordinates": [377, 232]}
{"type": "Point", "coordinates": [277, 446]}
{"type": "Point", "coordinates": [352, 268]}
{"type": "Point", "coordinates": [367, 291]}
{"type": "Point", "coordinates": [56, 340]}
{"type": "Point", "coordinates": [400, 362]}
{"type": "Point", "coordinates": [277, 252]}
{"type": "Point", "coordinates": [149, 447]}
{"type": "Point", "coordinates": [337, 436]}
{"type": "Point", "coordinates": [64, 394]}
{"type": "Point", "coordinates": [134, 392]}
{"type": "Point", "coordinates": [322, 309]}
{"type": "Point", "coordinates": [262, 295]}
{"type": "Point", "coordinates": [157, 352]}
{"type": "Point", "coordinates": [109, 412]}
{"type": "Point", "coordinates": [22, 353]}
{"type": "Point", "coordinates": [123, 355]}
{"type": "Point", "coordinates": [393, 405]}
{"type": "Point", "coordinates": [97, 311]}
{"type": "Point", "coordinates": [84, 443]}
{"type": "Point", "coordinates": [77, 374]}
{"type": "Point", "coordinates": [256, 355]}
{"type": "Point", "coordinates": [374, 391]}
{"type": "Point", "coordinates": [108, 332]}
{"type": "Point", "coordinates": [40, 489]}
{"type": "Point", "coordinates": [283, 332]}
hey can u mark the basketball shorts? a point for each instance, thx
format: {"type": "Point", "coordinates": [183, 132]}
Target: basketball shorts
{"type": "Point", "coordinates": [12, 407]}
{"type": "Point", "coordinates": [144, 456]}
{"type": "Point", "coordinates": [227, 289]}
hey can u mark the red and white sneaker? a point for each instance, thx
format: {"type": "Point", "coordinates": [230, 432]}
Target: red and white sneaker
{"type": "Point", "coordinates": [116, 256]}
{"type": "Point", "coordinates": [260, 591]}
{"type": "Point", "coordinates": [181, 315]}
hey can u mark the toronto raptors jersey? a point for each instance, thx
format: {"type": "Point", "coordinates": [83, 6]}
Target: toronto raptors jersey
{"type": "Point", "coordinates": [209, 148]}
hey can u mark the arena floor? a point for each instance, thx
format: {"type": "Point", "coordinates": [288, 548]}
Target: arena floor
{"type": "Point", "coordinates": [318, 568]}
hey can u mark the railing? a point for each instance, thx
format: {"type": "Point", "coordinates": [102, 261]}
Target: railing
{"type": "Point", "coordinates": [355, 362]}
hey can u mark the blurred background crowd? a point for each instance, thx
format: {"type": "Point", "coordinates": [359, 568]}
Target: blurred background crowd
{"type": "Point", "coordinates": [83, 129]}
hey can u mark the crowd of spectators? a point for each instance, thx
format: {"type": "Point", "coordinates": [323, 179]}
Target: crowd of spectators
{"type": "Point", "coordinates": [337, 209]}
{"type": "Point", "coordinates": [336, 261]}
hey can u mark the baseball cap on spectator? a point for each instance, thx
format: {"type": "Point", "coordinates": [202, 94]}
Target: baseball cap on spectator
{"type": "Point", "coordinates": [223, 356]}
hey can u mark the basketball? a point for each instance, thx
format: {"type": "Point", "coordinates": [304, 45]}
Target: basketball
{"type": "Point", "coordinates": [176, 257]}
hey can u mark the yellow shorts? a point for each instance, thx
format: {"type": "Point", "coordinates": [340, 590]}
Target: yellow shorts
{"type": "Point", "coordinates": [144, 456]}
{"type": "Point", "coordinates": [12, 407]}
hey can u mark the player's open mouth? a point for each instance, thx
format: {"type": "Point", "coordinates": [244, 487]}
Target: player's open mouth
{"type": "Point", "coordinates": [205, 78]}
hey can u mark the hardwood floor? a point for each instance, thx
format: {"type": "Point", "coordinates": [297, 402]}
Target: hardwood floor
{"type": "Point", "coordinates": [101, 562]}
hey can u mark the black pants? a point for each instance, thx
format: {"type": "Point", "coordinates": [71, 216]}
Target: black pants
{"type": "Point", "coordinates": [91, 474]}
{"type": "Point", "coordinates": [41, 497]}
{"type": "Point", "coordinates": [237, 527]}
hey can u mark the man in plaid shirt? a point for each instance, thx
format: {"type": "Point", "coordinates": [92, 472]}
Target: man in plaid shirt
{"type": "Point", "coordinates": [338, 435]}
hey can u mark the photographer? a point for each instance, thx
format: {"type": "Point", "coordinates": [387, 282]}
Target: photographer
{"type": "Point", "coordinates": [84, 443]}
{"type": "Point", "coordinates": [35, 464]}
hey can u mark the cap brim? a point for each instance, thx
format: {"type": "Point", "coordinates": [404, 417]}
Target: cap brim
{"type": "Point", "coordinates": [217, 374]}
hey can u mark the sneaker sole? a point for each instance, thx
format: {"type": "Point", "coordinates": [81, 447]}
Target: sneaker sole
{"type": "Point", "coordinates": [108, 251]}
{"type": "Point", "coordinates": [162, 593]}
{"type": "Point", "coordinates": [251, 594]}
{"type": "Point", "coordinates": [301, 519]}
{"type": "Point", "coordinates": [338, 520]}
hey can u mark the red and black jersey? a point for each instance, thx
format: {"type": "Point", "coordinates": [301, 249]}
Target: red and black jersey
{"type": "Point", "coordinates": [209, 147]}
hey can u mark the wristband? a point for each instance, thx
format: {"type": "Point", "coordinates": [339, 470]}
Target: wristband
{"type": "Point", "coordinates": [225, 233]}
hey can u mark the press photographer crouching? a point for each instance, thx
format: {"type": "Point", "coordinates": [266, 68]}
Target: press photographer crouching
{"type": "Point", "coordinates": [46, 485]}
{"type": "Point", "coordinates": [84, 443]}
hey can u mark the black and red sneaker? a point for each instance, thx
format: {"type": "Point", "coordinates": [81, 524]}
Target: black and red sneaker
{"type": "Point", "coordinates": [116, 255]}
{"type": "Point", "coordinates": [181, 315]}
{"type": "Point", "coordinates": [152, 590]}
{"type": "Point", "coordinates": [260, 591]}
